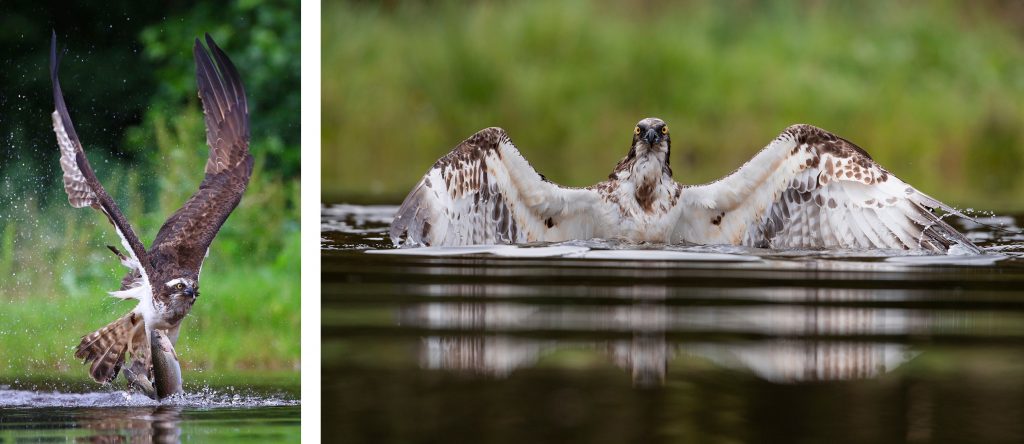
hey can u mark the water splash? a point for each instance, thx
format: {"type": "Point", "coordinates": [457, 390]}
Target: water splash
{"type": "Point", "coordinates": [355, 227]}
{"type": "Point", "coordinates": [356, 219]}
{"type": "Point", "coordinates": [560, 250]}
{"type": "Point", "coordinates": [204, 398]}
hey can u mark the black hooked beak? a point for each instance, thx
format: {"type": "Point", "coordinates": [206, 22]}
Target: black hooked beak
{"type": "Point", "coordinates": [651, 136]}
{"type": "Point", "coordinates": [190, 292]}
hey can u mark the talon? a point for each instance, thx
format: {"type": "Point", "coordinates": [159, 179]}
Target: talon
{"type": "Point", "coordinates": [143, 385]}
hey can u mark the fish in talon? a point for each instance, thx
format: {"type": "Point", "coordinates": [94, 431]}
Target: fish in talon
{"type": "Point", "coordinates": [166, 368]}
{"type": "Point", "coordinates": [163, 379]}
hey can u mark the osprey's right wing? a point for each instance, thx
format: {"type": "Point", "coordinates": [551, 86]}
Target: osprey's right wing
{"type": "Point", "coordinates": [485, 192]}
{"type": "Point", "coordinates": [80, 182]}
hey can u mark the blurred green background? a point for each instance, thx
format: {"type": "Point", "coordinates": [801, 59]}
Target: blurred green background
{"type": "Point", "coordinates": [933, 90]}
{"type": "Point", "coordinates": [128, 77]}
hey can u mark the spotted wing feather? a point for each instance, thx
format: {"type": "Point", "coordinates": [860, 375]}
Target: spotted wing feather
{"type": "Point", "coordinates": [186, 236]}
{"type": "Point", "coordinates": [485, 192]}
{"type": "Point", "coordinates": [80, 182]}
{"type": "Point", "coordinates": [812, 189]}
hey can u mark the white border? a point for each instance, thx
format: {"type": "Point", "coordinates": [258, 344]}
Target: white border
{"type": "Point", "coordinates": [310, 222]}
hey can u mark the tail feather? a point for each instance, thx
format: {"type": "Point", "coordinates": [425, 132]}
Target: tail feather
{"type": "Point", "coordinates": [105, 348]}
{"type": "Point", "coordinates": [105, 366]}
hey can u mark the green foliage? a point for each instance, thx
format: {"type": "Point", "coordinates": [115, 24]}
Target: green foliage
{"type": "Point", "coordinates": [933, 91]}
{"type": "Point", "coordinates": [262, 39]}
{"type": "Point", "coordinates": [106, 82]}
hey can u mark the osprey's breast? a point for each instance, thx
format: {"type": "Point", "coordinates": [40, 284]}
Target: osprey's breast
{"type": "Point", "coordinates": [642, 210]}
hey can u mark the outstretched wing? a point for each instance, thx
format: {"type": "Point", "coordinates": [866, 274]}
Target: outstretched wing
{"type": "Point", "coordinates": [186, 236]}
{"type": "Point", "coordinates": [485, 192]}
{"type": "Point", "coordinates": [812, 189]}
{"type": "Point", "coordinates": [80, 182]}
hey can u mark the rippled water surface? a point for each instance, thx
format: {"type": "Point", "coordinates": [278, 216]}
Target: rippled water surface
{"type": "Point", "coordinates": [46, 411]}
{"type": "Point", "coordinates": [608, 342]}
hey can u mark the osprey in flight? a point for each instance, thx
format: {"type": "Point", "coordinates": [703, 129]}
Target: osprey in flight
{"type": "Point", "coordinates": [807, 189]}
{"type": "Point", "coordinates": [165, 278]}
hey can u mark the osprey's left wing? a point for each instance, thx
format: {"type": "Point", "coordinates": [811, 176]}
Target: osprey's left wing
{"type": "Point", "coordinates": [812, 189]}
{"type": "Point", "coordinates": [80, 182]}
{"type": "Point", "coordinates": [186, 236]}
{"type": "Point", "coordinates": [485, 192]}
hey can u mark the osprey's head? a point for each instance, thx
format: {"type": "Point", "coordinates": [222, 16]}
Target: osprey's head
{"type": "Point", "coordinates": [182, 290]}
{"type": "Point", "coordinates": [651, 141]}
{"type": "Point", "coordinates": [651, 134]}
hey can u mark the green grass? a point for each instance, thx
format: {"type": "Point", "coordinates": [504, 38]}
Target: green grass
{"type": "Point", "coordinates": [56, 270]}
{"type": "Point", "coordinates": [934, 91]}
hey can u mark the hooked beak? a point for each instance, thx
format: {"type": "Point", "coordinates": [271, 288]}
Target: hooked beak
{"type": "Point", "coordinates": [190, 292]}
{"type": "Point", "coordinates": [651, 136]}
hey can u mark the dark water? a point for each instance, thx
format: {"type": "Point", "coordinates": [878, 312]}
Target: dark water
{"type": "Point", "coordinates": [603, 342]}
{"type": "Point", "coordinates": [42, 411]}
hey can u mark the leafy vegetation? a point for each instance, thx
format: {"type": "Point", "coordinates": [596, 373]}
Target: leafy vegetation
{"type": "Point", "coordinates": [934, 91]}
{"type": "Point", "coordinates": [54, 266]}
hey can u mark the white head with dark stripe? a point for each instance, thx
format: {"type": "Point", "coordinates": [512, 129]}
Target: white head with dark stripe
{"type": "Point", "coordinates": [180, 291]}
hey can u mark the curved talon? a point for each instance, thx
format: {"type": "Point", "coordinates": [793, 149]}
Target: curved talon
{"type": "Point", "coordinates": [142, 384]}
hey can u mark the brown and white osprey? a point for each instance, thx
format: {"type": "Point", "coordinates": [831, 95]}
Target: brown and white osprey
{"type": "Point", "coordinates": [807, 189]}
{"type": "Point", "coordinates": [165, 278]}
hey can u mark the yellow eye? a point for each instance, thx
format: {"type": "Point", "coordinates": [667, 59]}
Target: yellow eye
{"type": "Point", "coordinates": [664, 129]}
{"type": "Point", "coordinates": [636, 130]}
{"type": "Point", "coordinates": [180, 286]}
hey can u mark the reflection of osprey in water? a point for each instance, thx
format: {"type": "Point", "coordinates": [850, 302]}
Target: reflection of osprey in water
{"type": "Point", "coordinates": [148, 424]}
{"type": "Point", "coordinates": [807, 189]}
{"type": "Point", "coordinates": [164, 278]}
{"type": "Point", "coordinates": [647, 353]}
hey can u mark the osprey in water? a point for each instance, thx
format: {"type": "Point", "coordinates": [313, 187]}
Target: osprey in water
{"type": "Point", "coordinates": [807, 189]}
